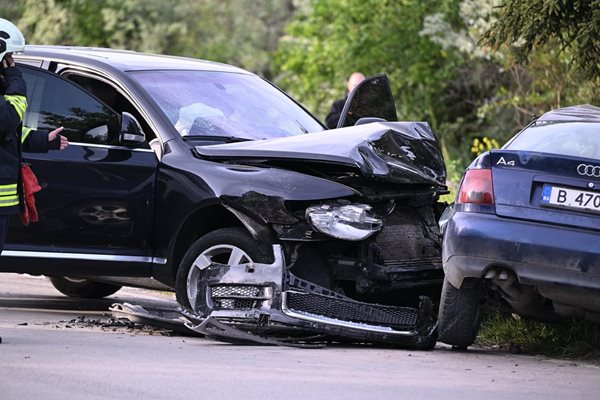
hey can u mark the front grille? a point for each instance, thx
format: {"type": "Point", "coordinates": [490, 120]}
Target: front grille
{"type": "Point", "coordinates": [402, 318]}
{"type": "Point", "coordinates": [410, 238]}
{"type": "Point", "coordinates": [234, 290]}
{"type": "Point", "coordinates": [416, 265]}
{"type": "Point", "coordinates": [235, 304]}
{"type": "Point", "coordinates": [237, 297]}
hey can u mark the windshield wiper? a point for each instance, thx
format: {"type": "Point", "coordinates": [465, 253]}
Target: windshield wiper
{"type": "Point", "coordinates": [225, 139]}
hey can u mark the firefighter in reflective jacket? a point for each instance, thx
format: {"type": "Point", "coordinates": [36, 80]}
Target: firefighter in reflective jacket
{"type": "Point", "coordinates": [13, 137]}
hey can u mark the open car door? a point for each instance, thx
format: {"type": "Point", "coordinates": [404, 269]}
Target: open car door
{"type": "Point", "coordinates": [371, 99]}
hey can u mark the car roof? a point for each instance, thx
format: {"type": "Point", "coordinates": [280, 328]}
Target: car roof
{"type": "Point", "coordinates": [124, 60]}
{"type": "Point", "coordinates": [583, 112]}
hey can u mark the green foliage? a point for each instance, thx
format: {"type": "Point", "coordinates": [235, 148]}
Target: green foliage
{"type": "Point", "coordinates": [493, 92]}
{"type": "Point", "coordinates": [573, 339]}
{"type": "Point", "coordinates": [331, 39]}
{"type": "Point", "coordinates": [527, 25]}
{"type": "Point", "coordinates": [129, 24]}
{"type": "Point", "coordinates": [240, 32]}
{"type": "Point", "coordinates": [11, 10]}
{"type": "Point", "coordinates": [482, 145]}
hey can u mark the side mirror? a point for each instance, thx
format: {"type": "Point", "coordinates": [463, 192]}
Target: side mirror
{"type": "Point", "coordinates": [131, 131]}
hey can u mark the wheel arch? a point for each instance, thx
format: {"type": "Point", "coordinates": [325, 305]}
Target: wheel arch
{"type": "Point", "coordinates": [207, 219]}
{"type": "Point", "coordinates": [199, 223]}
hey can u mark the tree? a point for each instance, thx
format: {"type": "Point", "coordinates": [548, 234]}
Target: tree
{"type": "Point", "coordinates": [240, 32]}
{"type": "Point", "coordinates": [128, 24]}
{"type": "Point", "coordinates": [573, 24]}
{"type": "Point", "coordinates": [11, 10]}
{"type": "Point", "coordinates": [329, 39]}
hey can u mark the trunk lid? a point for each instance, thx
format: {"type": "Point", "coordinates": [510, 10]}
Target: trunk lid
{"type": "Point", "coordinates": [524, 181]}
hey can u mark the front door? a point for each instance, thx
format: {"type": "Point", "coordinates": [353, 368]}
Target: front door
{"type": "Point", "coordinates": [98, 195]}
{"type": "Point", "coordinates": [371, 98]}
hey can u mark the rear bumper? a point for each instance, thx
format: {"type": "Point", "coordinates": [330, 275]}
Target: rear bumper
{"type": "Point", "coordinates": [539, 254]}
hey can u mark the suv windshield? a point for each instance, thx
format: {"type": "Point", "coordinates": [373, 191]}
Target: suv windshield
{"type": "Point", "coordinates": [209, 103]}
{"type": "Point", "coordinates": [578, 139]}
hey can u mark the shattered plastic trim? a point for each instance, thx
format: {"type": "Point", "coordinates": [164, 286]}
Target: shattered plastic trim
{"type": "Point", "coordinates": [337, 322]}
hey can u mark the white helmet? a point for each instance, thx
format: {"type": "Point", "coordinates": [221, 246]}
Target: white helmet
{"type": "Point", "coordinates": [11, 38]}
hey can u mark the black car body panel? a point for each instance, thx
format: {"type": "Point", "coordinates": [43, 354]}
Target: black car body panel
{"type": "Point", "coordinates": [354, 210]}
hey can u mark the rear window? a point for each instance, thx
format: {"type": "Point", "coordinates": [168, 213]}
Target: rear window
{"type": "Point", "coordinates": [577, 139]}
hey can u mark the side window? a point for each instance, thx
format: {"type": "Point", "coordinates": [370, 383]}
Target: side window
{"type": "Point", "coordinates": [54, 102]}
{"type": "Point", "coordinates": [111, 97]}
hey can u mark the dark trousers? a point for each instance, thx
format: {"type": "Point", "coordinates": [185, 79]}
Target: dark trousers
{"type": "Point", "coordinates": [3, 230]}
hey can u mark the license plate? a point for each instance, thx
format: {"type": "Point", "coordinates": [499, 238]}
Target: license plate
{"type": "Point", "coordinates": [584, 200]}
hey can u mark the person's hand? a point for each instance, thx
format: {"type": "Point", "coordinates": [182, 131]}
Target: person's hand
{"type": "Point", "coordinates": [8, 61]}
{"type": "Point", "coordinates": [64, 142]}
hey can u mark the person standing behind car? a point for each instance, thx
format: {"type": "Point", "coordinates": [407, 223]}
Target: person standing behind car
{"type": "Point", "coordinates": [338, 106]}
{"type": "Point", "coordinates": [13, 137]}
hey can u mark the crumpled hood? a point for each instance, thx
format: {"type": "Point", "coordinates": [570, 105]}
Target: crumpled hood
{"type": "Point", "coordinates": [404, 152]}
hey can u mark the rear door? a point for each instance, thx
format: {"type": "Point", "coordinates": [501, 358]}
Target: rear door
{"type": "Point", "coordinates": [97, 201]}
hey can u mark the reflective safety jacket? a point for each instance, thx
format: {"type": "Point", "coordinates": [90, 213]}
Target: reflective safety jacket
{"type": "Point", "coordinates": [14, 140]}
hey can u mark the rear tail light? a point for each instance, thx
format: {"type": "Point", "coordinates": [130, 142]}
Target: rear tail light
{"type": "Point", "coordinates": [477, 187]}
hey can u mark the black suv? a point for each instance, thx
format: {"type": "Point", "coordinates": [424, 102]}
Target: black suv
{"type": "Point", "coordinates": [177, 164]}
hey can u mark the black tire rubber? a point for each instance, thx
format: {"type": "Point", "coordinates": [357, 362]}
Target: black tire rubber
{"type": "Point", "coordinates": [83, 288]}
{"type": "Point", "coordinates": [458, 316]}
{"type": "Point", "coordinates": [237, 237]}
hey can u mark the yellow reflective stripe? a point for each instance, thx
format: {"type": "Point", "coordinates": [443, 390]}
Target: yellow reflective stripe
{"type": "Point", "coordinates": [8, 189]}
{"type": "Point", "coordinates": [6, 201]}
{"type": "Point", "coordinates": [17, 106]}
{"type": "Point", "coordinates": [18, 102]}
{"type": "Point", "coordinates": [17, 99]}
{"type": "Point", "coordinates": [24, 134]}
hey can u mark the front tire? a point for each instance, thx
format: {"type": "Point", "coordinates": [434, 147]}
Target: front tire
{"type": "Point", "coordinates": [226, 246]}
{"type": "Point", "coordinates": [458, 316]}
{"type": "Point", "coordinates": [82, 288]}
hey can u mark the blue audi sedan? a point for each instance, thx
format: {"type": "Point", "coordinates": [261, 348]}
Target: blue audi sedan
{"type": "Point", "coordinates": [525, 227]}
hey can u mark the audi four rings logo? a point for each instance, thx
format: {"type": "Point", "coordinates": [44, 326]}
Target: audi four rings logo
{"type": "Point", "coordinates": [589, 170]}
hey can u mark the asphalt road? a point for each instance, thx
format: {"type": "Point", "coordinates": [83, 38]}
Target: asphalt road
{"type": "Point", "coordinates": [52, 349]}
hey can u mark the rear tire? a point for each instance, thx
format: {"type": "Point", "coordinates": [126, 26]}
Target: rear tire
{"type": "Point", "coordinates": [458, 317]}
{"type": "Point", "coordinates": [82, 288]}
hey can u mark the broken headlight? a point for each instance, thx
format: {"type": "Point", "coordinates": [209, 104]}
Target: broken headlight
{"type": "Point", "coordinates": [343, 221]}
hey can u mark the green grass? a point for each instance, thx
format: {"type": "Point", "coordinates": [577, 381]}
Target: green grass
{"type": "Point", "coordinates": [576, 339]}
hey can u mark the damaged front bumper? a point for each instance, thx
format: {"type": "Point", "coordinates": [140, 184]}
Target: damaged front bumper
{"type": "Point", "coordinates": [268, 303]}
